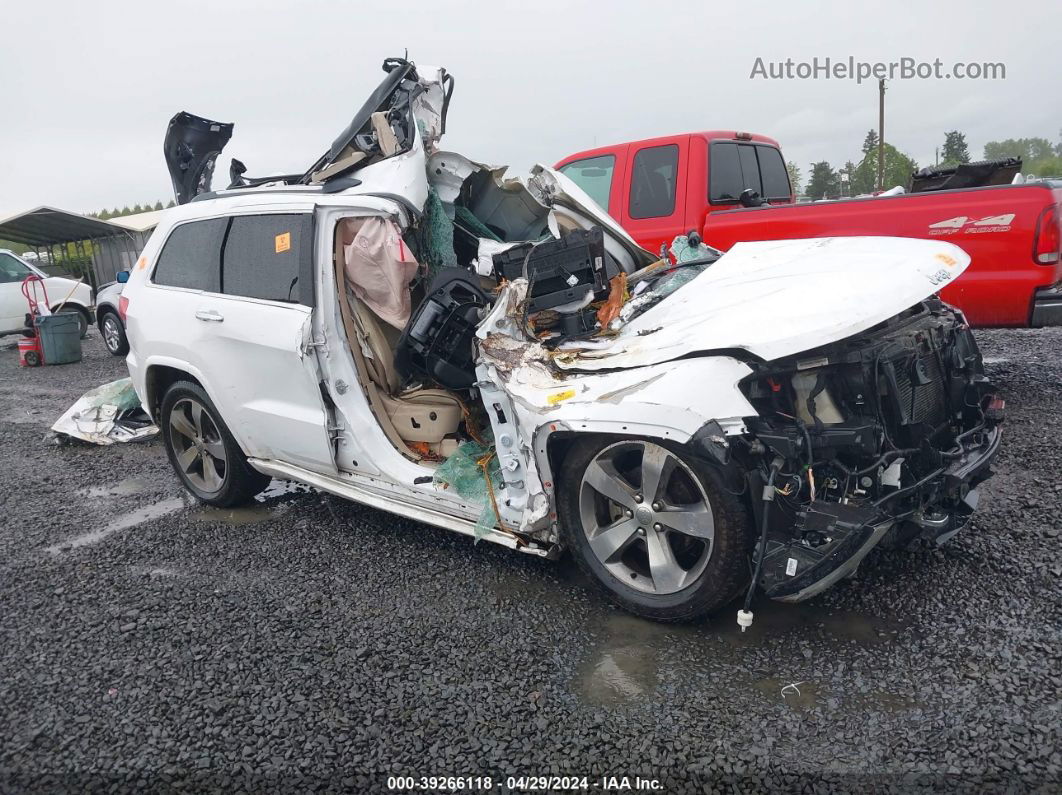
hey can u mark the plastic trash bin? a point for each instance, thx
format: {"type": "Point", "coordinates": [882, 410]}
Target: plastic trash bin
{"type": "Point", "coordinates": [60, 337]}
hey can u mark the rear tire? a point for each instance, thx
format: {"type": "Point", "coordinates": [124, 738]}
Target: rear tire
{"type": "Point", "coordinates": [203, 452]}
{"type": "Point", "coordinates": [673, 555]}
{"type": "Point", "coordinates": [82, 318]}
{"type": "Point", "coordinates": [114, 334]}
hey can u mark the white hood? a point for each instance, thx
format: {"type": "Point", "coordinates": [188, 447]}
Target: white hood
{"type": "Point", "coordinates": [779, 298]}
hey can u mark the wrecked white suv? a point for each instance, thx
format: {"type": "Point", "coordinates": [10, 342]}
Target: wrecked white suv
{"type": "Point", "coordinates": [403, 327]}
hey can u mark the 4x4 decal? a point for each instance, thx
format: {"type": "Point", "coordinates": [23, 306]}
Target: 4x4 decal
{"type": "Point", "coordinates": [972, 226]}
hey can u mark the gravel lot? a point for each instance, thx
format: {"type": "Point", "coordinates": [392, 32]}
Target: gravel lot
{"type": "Point", "coordinates": [309, 642]}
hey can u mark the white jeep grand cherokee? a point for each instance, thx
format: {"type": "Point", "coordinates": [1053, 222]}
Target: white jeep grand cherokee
{"type": "Point", "coordinates": [403, 327]}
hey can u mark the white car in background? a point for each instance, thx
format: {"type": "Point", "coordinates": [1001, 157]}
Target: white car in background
{"type": "Point", "coordinates": [13, 305]}
{"type": "Point", "coordinates": [405, 328]}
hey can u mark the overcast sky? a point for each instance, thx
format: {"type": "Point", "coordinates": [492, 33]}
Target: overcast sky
{"type": "Point", "coordinates": [89, 86]}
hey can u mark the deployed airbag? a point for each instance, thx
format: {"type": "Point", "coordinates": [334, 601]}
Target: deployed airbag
{"type": "Point", "coordinates": [379, 268]}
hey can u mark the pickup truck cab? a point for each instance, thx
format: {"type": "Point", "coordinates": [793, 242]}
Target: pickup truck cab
{"type": "Point", "coordinates": [694, 182]}
{"type": "Point", "coordinates": [662, 187]}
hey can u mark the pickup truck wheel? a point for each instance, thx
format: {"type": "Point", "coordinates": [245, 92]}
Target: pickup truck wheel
{"type": "Point", "coordinates": [114, 334]}
{"type": "Point", "coordinates": [203, 452]}
{"type": "Point", "coordinates": [655, 528]}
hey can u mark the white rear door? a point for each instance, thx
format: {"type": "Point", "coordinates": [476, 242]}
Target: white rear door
{"type": "Point", "coordinates": [234, 298]}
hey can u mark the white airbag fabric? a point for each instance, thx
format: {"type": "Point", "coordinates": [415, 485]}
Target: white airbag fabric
{"type": "Point", "coordinates": [379, 267]}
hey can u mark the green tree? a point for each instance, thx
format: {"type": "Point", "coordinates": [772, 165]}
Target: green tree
{"type": "Point", "coordinates": [955, 150]}
{"type": "Point", "coordinates": [1028, 149]}
{"type": "Point", "coordinates": [794, 176]}
{"type": "Point", "coordinates": [158, 206]}
{"type": "Point", "coordinates": [898, 170]}
{"type": "Point", "coordinates": [171, 203]}
{"type": "Point", "coordinates": [822, 183]}
{"type": "Point", "coordinates": [870, 142]}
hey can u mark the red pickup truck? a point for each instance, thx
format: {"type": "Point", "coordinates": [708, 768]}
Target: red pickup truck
{"type": "Point", "coordinates": [662, 187]}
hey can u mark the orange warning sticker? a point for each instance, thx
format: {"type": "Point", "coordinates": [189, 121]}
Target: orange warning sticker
{"type": "Point", "coordinates": [283, 242]}
{"type": "Point", "coordinates": [949, 261]}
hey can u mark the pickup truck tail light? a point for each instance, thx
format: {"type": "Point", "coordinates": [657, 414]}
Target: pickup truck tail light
{"type": "Point", "coordinates": [1047, 243]}
{"type": "Point", "coordinates": [123, 307]}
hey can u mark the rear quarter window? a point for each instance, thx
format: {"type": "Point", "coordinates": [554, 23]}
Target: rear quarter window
{"type": "Point", "coordinates": [191, 256]}
{"type": "Point", "coordinates": [269, 257]}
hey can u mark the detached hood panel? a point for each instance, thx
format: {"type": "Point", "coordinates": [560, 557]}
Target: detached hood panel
{"type": "Point", "coordinates": [779, 298]}
{"type": "Point", "coordinates": [191, 148]}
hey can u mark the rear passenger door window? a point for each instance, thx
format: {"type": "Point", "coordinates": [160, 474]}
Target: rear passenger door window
{"type": "Point", "coordinates": [593, 175]}
{"type": "Point", "coordinates": [269, 257]}
{"type": "Point", "coordinates": [191, 256]}
{"type": "Point", "coordinates": [737, 167]}
{"type": "Point", "coordinates": [654, 176]}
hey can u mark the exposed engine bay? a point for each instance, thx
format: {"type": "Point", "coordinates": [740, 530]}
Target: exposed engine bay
{"type": "Point", "coordinates": [885, 435]}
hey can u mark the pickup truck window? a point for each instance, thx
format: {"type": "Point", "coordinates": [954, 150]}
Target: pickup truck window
{"type": "Point", "coordinates": [269, 257]}
{"type": "Point", "coordinates": [653, 182]}
{"type": "Point", "coordinates": [191, 256]}
{"type": "Point", "coordinates": [735, 167]}
{"type": "Point", "coordinates": [593, 175]}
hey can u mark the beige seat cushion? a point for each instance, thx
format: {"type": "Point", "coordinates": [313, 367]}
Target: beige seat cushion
{"type": "Point", "coordinates": [418, 415]}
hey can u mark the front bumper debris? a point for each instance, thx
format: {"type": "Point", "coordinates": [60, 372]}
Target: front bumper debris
{"type": "Point", "coordinates": [831, 539]}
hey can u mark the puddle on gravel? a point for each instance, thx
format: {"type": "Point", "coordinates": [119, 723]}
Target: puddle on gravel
{"type": "Point", "coordinates": [266, 505]}
{"type": "Point", "coordinates": [623, 667]}
{"type": "Point", "coordinates": [123, 488]}
{"type": "Point", "coordinates": [237, 517]}
{"type": "Point", "coordinates": [123, 522]}
{"type": "Point", "coordinates": [808, 620]}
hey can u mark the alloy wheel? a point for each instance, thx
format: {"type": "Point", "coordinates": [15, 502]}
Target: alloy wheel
{"type": "Point", "coordinates": [646, 516]}
{"type": "Point", "coordinates": [112, 333]}
{"type": "Point", "coordinates": [197, 445]}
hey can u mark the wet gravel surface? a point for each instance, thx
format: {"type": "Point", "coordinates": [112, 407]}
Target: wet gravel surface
{"type": "Point", "coordinates": [306, 642]}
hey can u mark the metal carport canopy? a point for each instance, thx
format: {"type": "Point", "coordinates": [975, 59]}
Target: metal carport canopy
{"type": "Point", "coordinates": [45, 226]}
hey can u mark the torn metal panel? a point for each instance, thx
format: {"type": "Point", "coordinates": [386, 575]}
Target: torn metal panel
{"type": "Point", "coordinates": [574, 209]}
{"type": "Point", "coordinates": [107, 414]}
{"type": "Point", "coordinates": [813, 292]}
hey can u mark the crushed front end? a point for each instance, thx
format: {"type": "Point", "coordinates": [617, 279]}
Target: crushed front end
{"type": "Point", "coordinates": [880, 438]}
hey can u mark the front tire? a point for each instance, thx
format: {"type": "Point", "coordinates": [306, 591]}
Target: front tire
{"type": "Point", "coordinates": [203, 452]}
{"type": "Point", "coordinates": [114, 334]}
{"type": "Point", "coordinates": [655, 528]}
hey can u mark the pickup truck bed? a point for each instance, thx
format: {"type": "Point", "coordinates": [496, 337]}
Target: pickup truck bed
{"type": "Point", "coordinates": [997, 226]}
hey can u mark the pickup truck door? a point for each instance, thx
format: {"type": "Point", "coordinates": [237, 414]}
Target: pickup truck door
{"type": "Point", "coordinates": [654, 202]}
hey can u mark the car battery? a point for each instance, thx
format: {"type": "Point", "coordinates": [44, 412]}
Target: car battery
{"type": "Point", "coordinates": [559, 272]}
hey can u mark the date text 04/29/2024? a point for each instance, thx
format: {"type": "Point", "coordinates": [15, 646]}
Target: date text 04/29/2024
{"type": "Point", "coordinates": [523, 783]}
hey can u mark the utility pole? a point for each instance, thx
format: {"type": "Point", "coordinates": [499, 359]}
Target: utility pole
{"type": "Point", "coordinates": [881, 134]}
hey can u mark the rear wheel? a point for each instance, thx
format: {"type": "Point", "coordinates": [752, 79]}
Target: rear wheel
{"type": "Point", "coordinates": [654, 527]}
{"type": "Point", "coordinates": [114, 334]}
{"type": "Point", "coordinates": [82, 318]}
{"type": "Point", "coordinates": [203, 452]}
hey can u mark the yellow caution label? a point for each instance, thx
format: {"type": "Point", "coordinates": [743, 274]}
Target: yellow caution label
{"type": "Point", "coordinates": [141, 263]}
{"type": "Point", "coordinates": [557, 397]}
{"type": "Point", "coordinates": [949, 261]}
{"type": "Point", "coordinates": [283, 242]}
